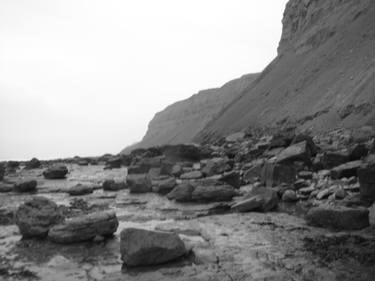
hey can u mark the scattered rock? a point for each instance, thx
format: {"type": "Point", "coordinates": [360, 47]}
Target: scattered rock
{"type": "Point", "coordinates": [296, 152]}
{"type": "Point", "coordinates": [111, 185]}
{"type": "Point", "coordinates": [262, 199]}
{"type": "Point", "coordinates": [182, 193]}
{"type": "Point", "coordinates": [113, 163]}
{"type": "Point", "coordinates": [214, 193]}
{"type": "Point", "coordinates": [34, 163]}
{"type": "Point", "coordinates": [163, 186]}
{"type": "Point", "coordinates": [338, 218]}
{"type": "Point", "coordinates": [80, 189]}
{"type": "Point", "coordinates": [26, 186]}
{"type": "Point", "coordinates": [56, 172]}
{"type": "Point", "coordinates": [141, 247]}
{"type": "Point", "coordinates": [84, 228]}
{"type": "Point", "coordinates": [139, 183]}
{"type": "Point", "coordinates": [346, 170]}
{"type": "Point", "coordinates": [35, 217]}
{"type": "Point", "coordinates": [276, 174]}
{"type": "Point", "coordinates": [289, 196]}
{"type": "Point", "coordinates": [215, 166]}
{"type": "Point", "coordinates": [191, 175]}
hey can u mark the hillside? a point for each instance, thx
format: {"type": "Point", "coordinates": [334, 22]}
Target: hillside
{"type": "Point", "coordinates": [183, 120]}
{"type": "Point", "coordinates": [322, 78]}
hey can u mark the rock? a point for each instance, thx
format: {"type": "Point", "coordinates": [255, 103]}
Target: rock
{"type": "Point", "coordinates": [6, 216]}
{"type": "Point", "coordinates": [306, 175]}
{"type": "Point", "coordinates": [83, 162]}
{"type": "Point", "coordinates": [5, 187]}
{"type": "Point", "coordinates": [34, 163]}
{"type": "Point", "coordinates": [301, 183]}
{"type": "Point", "coordinates": [35, 217]}
{"type": "Point", "coordinates": [111, 185]}
{"type": "Point", "coordinates": [253, 174]}
{"type": "Point", "coordinates": [307, 190]}
{"type": "Point", "coordinates": [141, 247]}
{"type": "Point", "coordinates": [289, 196]}
{"type": "Point", "coordinates": [358, 151]}
{"type": "Point", "coordinates": [185, 152]}
{"type": "Point", "coordinates": [346, 170]}
{"type": "Point", "coordinates": [310, 143]}
{"type": "Point", "coordinates": [296, 152]}
{"type": "Point", "coordinates": [191, 175]}
{"type": "Point", "coordinates": [139, 183]}
{"type": "Point", "coordinates": [163, 185]}
{"type": "Point", "coordinates": [177, 170]}
{"type": "Point", "coordinates": [26, 186]}
{"type": "Point", "coordinates": [213, 193]}
{"type": "Point", "coordinates": [236, 137]}
{"type": "Point", "coordinates": [330, 160]}
{"type": "Point", "coordinates": [84, 228]}
{"type": "Point", "coordinates": [181, 193]}
{"type": "Point", "coordinates": [215, 166]}
{"type": "Point", "coordinates": [13, 164]}
{"type": "Point", "coordinates": [113, 163]}
{"type": "Point", "coordinates": [80, 189]}
{"type": "Point", "coordinates": [338, 218]}
{"type": "Point", "coordinates": [232, 178]}
{"type": "Point", "coordinates": [2, 172]}
{"type": "Point", "coordinates": [323, 194]}
{"type": "Point", "coordinates": [262, 199]}
{"type": "Point", "coordinates": [276, 174]}
{"type": "Point", "coordinates": [366, 177]}
{"type": "Point", "coordinates": [340, 194]}
{"type": "Point", "coordinates": [56, 172]}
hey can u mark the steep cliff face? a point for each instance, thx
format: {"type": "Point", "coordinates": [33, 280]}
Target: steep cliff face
{"type": "Point", "coordinates": [183, 120]}
{"type": "Point", "coordinates": [323, 76]}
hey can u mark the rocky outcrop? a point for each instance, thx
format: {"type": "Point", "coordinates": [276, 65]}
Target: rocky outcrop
{"type": "Point", "coordinates": [183, 120]}
{"type": "Point", "coordinates": [56, 172]}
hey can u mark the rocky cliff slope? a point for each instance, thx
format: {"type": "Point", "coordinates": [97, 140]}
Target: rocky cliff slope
{"type": "Point", "coordinates": [322, 78]}
{"type": "Point", "coordinates": [183, 120]}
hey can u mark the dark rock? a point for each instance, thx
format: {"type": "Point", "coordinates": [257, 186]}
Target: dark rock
{"type": "Point", "coordinates": [80, 189]}
{"type": "Point", "coordinates": [306, 175]}
{"type": "Point", "coordinates": [182, 193]}
{"type": "Point", "coordinates": [232, 178]}
{"type": "Point", "coordinates": [366, 177]}
{"type": "Point", "coordinates": [214, 193]}
{"type": "Point", "coordinates": [140, 247]}
{"type": "Point", "coordinates": [276, 174]}
{"type": "Point", "coordinates": [338, 218]}
{"type": "Point", "coordinates": [346, 170]}
{"type": "Point", "coordinates": [56, 172]}
{"type": "Point", "coordinates": [330, 160]}
{"type": "Point", "coordinates": [26, 186]}
{"type": "Point", "coordinates": [2, 172]}
{"type": "Point", "coordinates": [358, 151]}
{"type": "Point", "coordinates": [282, 138]}
{"type": "Point", "coordinates": [83, 162]}
{"type": "Point", "coordinates": [5, 187]}
{"type": "Point", "coordinates": [163, 186]}
{"type": "Point", "coordinates": [13, 164]}
{"type": "Point", "coordinates": [113, 162]}
{"type": "Point", "coordinates": [185, 152]}
{"type": "Point", "coordinates": [262, 199]}
{"type": "Point", "coordinates": [289, 196]}
{"type": "Point", "coordinates": [34, 163]}
{"type": "Point", "coordinates": [191, 175]}
{"type": "Point", "coordinates": [35, 217]}
{"type": "Point", "coordinates": [216, 166]}
{"type": "Point", "coordinates": [6, 216]}
{"type": "Point", "coordinates": [296, 152]}
{"type": "Point", "coordinates": [111, 185]}
{"type": "Point", "coordinates": [139, 183]}
{"type": "Point", "coordinates": [301, 183]}
{"type": "Point", "coordinates": [84, 228]}
{"type": "Point", "coordinates": [310, 143]}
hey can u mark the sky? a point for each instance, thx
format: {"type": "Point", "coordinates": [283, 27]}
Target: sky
{"type": "Point", "coordinates": [84, 77]}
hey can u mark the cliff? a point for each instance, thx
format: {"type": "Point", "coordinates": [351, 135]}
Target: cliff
{"type": "Point", "coordinates": [183, 120]}
{"type": "Point", "coordinates": [322, 78]}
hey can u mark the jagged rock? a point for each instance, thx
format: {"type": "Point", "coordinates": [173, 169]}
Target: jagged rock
{"type": "Point", "coordinates": [5, 187]}
{"type": "Point", "coordinates": [296, 152]}
{"type": "Point", "coordinates": [338, 218]}
{"type": "Point", "coordinates": [330, 160]}
{"type": "Point", "coordinates": [113, 163]}
{"type": "Point", "coordinates": [80, 189]}
{"type": "Point", "coordinates": [139, 183]}
{"type": "Point", "coordinates": [26, 186]}
{"type": "Point", "coordinates": [111, 185]}
{"type": "Point", "coordinates": [276, 174]}
{"type": "Point", "coordinates": [254, 174]}
{"type": "Point", "coordinates": [140, 247]}
{"type": "Point", "coordinates": [358, 151]}
{"type": "Point", "coordinates": [163, 186]}
{"type": "Point", "coordinates": [289, 196]}
{"type": "Point", "coordinates": [215, 166]}
{"type": "Point", "coordinates": [56, 172]}
{"type": "Point", "coordinates": [34, 163]}
{"type": "Point", "coordinates": [213, 193]}
{"type": "Point", "coordinates": [366, 177]}
{"type": "Point", "coordinates": [35, 217]}
{"type": "Point", "coordinates": [310, 143]}
{"type": "Point", "coordinates": [262, 199]}
{"type": "Point", "coordinates": [191, 175]}
{"type": "Point", "coordinates": [232, 178]}
{"type": "Point", "coordinates": [84, 228]}
{"type": "Point", "coordinates": [282, 139]}
{"type": "Point", "coordinates": [346, 170]}
{"type": "Point", "coordinates": [236, 137]}
{"type": "Point", "coordinates": [181, 193]}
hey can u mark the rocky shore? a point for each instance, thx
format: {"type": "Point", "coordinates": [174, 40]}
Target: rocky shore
{"type": "Point", "coordinates": [260, 205]}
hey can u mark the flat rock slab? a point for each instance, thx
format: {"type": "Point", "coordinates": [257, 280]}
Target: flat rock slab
{"type": "Point", "coordinates": [140, 247]}
{"type": "Point", "coordinates": [84, 228]}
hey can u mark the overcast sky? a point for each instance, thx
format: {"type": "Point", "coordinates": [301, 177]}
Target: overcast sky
{"type": "Point", "coordinates": [84, 77]}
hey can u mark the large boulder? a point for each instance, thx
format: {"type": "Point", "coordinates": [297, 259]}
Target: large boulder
{"type": "Point", "coordinates": [35, 217]}
{"type": "Point", "coordinates": [141, 247]}
{"type": "Point", "coordinates": [182, 193]}
{"type": "Point", "coordinates": [262, 199]}
{"type": "Point", "coordinates": [112, 185]}
{"type": "Point", "coordinates": [215, 166]}
{"type": "Point", "coordinates": [163, 185]}
{"type": "Point", "coordinates": [331, 159]}
{"type": "Point", "coordinates": [56, 172]}
{"type": "Point", "coordinates": [143, 165]}
{"type": "Point", "coordinates": [346, 170]}
{"type": "Point", "coordinates": [296, 152]}
{"type": "Point", "coordinates": [366, 177]}
{"type": "Point", "coordinates": [84, 228]}
{"type": "Point", "coordinates": [80, 189]}
{"type": "Point", "coordinates": [276, 174]}
{"type": "Point", "coordinates": [26, 186]}
{"type": "Point", "coordinates": [338, 218]}
{"type": "Point", "coordinates": [34, 163]}
{"type": "Point", "coordinates": [213, 193]}
{"type": "Point", "coordinates": [139, 183]}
